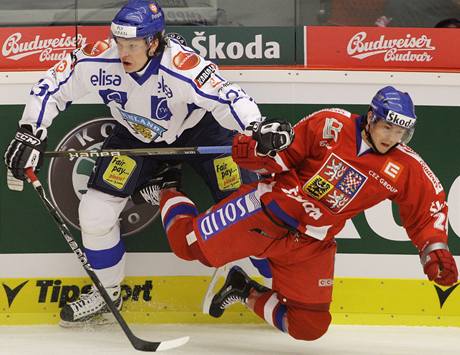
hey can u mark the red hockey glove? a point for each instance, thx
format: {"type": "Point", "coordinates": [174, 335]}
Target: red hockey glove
{"type": "Point", "coordinates": [244, 154]}
{"type": "Point", "coordinates": [439, 264]}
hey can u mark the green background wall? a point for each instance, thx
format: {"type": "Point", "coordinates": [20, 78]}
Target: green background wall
{"type": "Point", "coordinates": [25, 226]}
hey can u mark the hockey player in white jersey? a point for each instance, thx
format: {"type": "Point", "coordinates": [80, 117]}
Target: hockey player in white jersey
{"type": "Point", "coordinates": [161, 93]}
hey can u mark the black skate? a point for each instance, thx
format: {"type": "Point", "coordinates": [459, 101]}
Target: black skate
{"type": "Point", "coordinates": [236, 288]}
{"type": "Point", "coordinates": [168, 176]}
{"type": "Point", "coordinates": [90, 309]}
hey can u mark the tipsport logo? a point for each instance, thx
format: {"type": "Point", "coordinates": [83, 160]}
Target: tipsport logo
{"type": "Point", "coordinates": [68, 178]}
{"type": "Point", "coordinates": [12, 291]}
{"type": "Point", "coordinates": [55, 291]}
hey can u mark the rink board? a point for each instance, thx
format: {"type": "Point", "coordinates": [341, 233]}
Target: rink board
{"type": "Point", "coordinates": [28, 249]}
{"type": "Point", "coordinates": [177, 299]}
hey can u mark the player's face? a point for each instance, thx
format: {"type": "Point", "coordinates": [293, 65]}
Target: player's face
{"type": "Point", "coordinates": [133, 53]}
{"type": "Point", "coordinates": [385, 135]}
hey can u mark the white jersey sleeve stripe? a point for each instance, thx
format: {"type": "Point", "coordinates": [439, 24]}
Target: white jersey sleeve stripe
{"type": "Point", "coordinates": [47, 96]}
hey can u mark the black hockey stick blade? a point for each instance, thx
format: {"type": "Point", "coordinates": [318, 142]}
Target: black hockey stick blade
{"type": "Point", "coordinates": [137, 343]}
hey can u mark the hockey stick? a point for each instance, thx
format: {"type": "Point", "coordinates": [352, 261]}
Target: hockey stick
{"type": "Point", "coordinates": [138, 344]}
{"type": "Point", "coordinates": [139, 151]}
{"type": "Point", "coordinates": [17, 185]}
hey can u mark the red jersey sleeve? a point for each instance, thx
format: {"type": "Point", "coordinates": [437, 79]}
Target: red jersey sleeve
{"type": "Point", "coordinates": [306, 133]}
{"type": "Point", "coordinates": [422, 203]}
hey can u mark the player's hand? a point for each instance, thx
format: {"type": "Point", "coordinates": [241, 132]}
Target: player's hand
{"type": "Point", "coordinates": [271, 136]}
{"type": "Point", "coordinates": [169, 177]}
{"type": "Point", "coordinates": [26, 150]}
{"type": "Point", "coordinates": [439, 265]}
{"type": "Point", "coordinates": [244, 154]}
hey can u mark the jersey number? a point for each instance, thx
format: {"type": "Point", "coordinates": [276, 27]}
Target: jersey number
{"type": "Point", "coordinates": [441, 221]}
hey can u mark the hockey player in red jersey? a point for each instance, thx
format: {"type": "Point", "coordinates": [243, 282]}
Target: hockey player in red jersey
{"type": "Point", "coordinates": [338, 165]}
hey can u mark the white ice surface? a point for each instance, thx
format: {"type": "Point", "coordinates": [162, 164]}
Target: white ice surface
{"type": "Point", "coordinates": [232, 340]}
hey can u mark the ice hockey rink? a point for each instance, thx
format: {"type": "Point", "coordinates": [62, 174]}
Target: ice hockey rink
{"type": "Point", "coordinates": [375, 246]}
{"type": "Point", "coordinates": [231, 340]}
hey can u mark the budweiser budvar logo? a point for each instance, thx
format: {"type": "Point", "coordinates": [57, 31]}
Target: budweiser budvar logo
{"type": "Point", "coordinates": [409, 49]}
{"type": "Point", "coordinates": [49, 49]}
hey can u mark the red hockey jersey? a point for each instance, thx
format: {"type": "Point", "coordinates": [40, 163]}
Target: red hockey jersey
{"type": "Point", "coordinates": [327, 176]}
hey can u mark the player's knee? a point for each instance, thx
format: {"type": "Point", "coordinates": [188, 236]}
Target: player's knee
{"type": "Point", "coordinates": [310, 326]}
{"type": "Point", "coordinates": [309, 333]}
{"type": "Point", "coordinates": [182, 251]}
{"type": "Point", "coordinates": [183, 241]}
{"type": "Point", "coordinates": [300, 322]}
{"type": "Point", "coordinates": [177, 237]}
{"type": "Point", "coordinates": [99, 212]}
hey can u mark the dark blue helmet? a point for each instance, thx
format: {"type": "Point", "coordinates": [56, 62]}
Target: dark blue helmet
{"type": "Point", "coordinates": [139, 19]}
{"type": "Point", "coordinates": [395, 107]}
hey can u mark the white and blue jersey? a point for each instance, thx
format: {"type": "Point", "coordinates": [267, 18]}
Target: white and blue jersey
{"type": "Point", "coordinates": [175, 100]}
{"type": "Point", "coordinates": [170, 95]}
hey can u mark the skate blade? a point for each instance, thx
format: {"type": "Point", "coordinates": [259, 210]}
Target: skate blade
{"type": "Point", "coordinates": [96, 321]}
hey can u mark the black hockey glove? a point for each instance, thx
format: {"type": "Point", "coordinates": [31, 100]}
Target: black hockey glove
{"type": "Point", "coordinates": [26, 150]}
{"type": "Point", "coordinates": [149, 192]}
{"type": "Point", "coordinates": [271, 136]}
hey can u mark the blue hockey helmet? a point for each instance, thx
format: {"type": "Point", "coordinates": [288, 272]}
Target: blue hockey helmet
{"type": "Point", "coordinates": [139, 19]}
{"type": "Point", "coordinates": [395, 107]}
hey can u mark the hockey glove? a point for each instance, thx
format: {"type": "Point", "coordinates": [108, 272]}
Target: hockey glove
{"type": "Point", "coordinates": [439, 264]}
{"type": "Point", "coordinates": [169, 177]}
{"type": "Point", "coordinates": [271, 136]}
{"type": "Point", "coordinates": [244, 154]}
{"type": "Point", "coordinates": [26, 150]}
